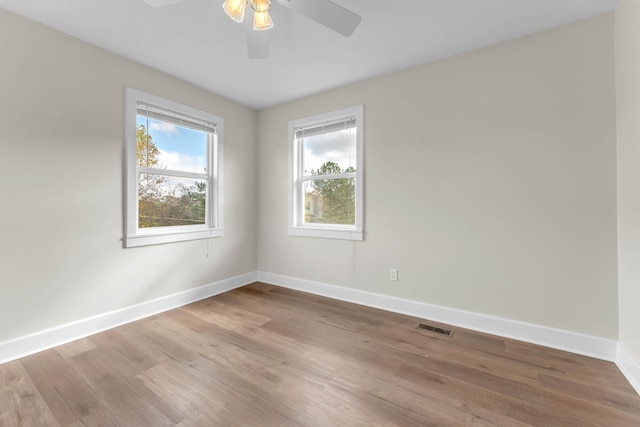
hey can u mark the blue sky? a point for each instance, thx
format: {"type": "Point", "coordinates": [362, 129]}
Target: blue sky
{"type": "Point", "coordinates": [180, 148]}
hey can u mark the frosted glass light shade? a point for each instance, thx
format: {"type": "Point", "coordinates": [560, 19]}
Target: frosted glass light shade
{"type": "Point", "coordinates": [262, 21]}
{"type": "Point", "coordinates": [235, 9]}
{"type": "Point", "coordinates": [260, 5]}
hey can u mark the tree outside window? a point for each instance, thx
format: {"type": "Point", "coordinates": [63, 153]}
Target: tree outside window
{"type": "Point", "coordinates": [161, 204]}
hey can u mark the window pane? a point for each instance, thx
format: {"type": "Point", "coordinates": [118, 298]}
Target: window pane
{"type": "Point", "coordinates": [168, 146]}
{"type": "Point", "coordinates": [330, 201]}
{"type": "Point", "coordinates": [329, 153]}
{"type": "Point", "coordinates": [166, 201]}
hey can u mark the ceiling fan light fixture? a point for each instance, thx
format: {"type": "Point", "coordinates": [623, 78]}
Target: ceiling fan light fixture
{"type": "Point", "coordinates": [262, 21]}
{"type": "Point", "coordinates": [235, 9]}
{"type": "Point", "coordinates": [260, 5]}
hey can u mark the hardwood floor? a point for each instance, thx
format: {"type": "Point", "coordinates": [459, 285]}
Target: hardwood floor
{"type": "Point", "coordinates": [267, 356]}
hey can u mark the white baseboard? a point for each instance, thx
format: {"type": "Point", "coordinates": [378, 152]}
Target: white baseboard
{"type": "Point", "coordinates": [573, 342]}
{"type": "Point", "coordinates": [30, 344]}
{"type": "Point", "coordinates": [588, 345]}
{"type": "Point", "coordinates": [629, 366]}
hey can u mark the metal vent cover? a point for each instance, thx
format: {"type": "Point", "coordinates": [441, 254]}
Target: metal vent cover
{"type": "Point", "coordinates": [436, 329]}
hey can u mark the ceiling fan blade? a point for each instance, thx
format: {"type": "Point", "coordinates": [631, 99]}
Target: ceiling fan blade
{"type": "Point", "coordinates": [258, 44]}
{"type": "Point", "coordinates": [160, 3]}
{"type": "Point", "coordinates": [327, 13]}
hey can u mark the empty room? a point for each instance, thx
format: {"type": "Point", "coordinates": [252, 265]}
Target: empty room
{"type": "Point", "coordinates": [320, 213]}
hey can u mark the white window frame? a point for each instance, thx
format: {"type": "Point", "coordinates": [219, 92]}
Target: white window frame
{"type": "Point", "coordinates": [213, 227]}
{"type": "Point", "coordinates": [297, 226]}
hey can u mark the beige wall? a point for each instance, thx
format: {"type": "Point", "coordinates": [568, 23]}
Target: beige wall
{"type": "Point", "coordinates": [628, 114]}
{"type": "Point", "coordinates": [61, 185]}
{"type": "Point", "coordinates": [490, 183]}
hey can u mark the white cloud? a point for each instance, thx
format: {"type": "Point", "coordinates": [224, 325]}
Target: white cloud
{"type": "Point", "coordinates": [183, 162]}
{"type": "Point", "coordinates": [338, 147]}
{"type": "Point", "coordinates": [166, 128]}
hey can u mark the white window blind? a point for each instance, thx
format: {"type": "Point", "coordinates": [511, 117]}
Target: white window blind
{"type": "Point", "coordinates": [346, 123]}
{"type": "Point", "coordinates": [179, 119]}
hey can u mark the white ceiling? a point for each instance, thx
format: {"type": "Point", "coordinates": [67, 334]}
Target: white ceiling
{"type": "Point", "coordinates": [197, 42]}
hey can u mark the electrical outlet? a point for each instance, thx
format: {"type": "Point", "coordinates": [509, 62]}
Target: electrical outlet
{"type": "Point", "coordinates": [393, 274]}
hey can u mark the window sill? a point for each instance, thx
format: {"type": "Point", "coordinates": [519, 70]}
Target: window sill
{"type": "Point", "coordinates": [181, 236]}
{"type": "Point", "coordinates": [326, 233]}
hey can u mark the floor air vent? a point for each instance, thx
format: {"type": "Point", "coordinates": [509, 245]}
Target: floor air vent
{"type": "Point", "coordinates": [435, 329]}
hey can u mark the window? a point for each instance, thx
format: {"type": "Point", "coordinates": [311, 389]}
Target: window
{"type": "Point", "coordinates": [174, 179]}
{"type": "Point", "coordinates": [326, 169]}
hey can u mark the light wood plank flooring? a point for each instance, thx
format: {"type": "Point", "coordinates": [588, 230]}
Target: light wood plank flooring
{"type": "Point", "coordinates": [267, 356]}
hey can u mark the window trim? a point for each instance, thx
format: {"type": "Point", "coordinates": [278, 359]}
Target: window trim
{"type": "Point", "coordinates": [213, 227]}
{"type": "Point", "coordinates": [296, 208]}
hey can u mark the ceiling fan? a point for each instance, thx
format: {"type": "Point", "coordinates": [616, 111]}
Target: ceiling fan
{"type": "Point", "coordinates": [324, 12]}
